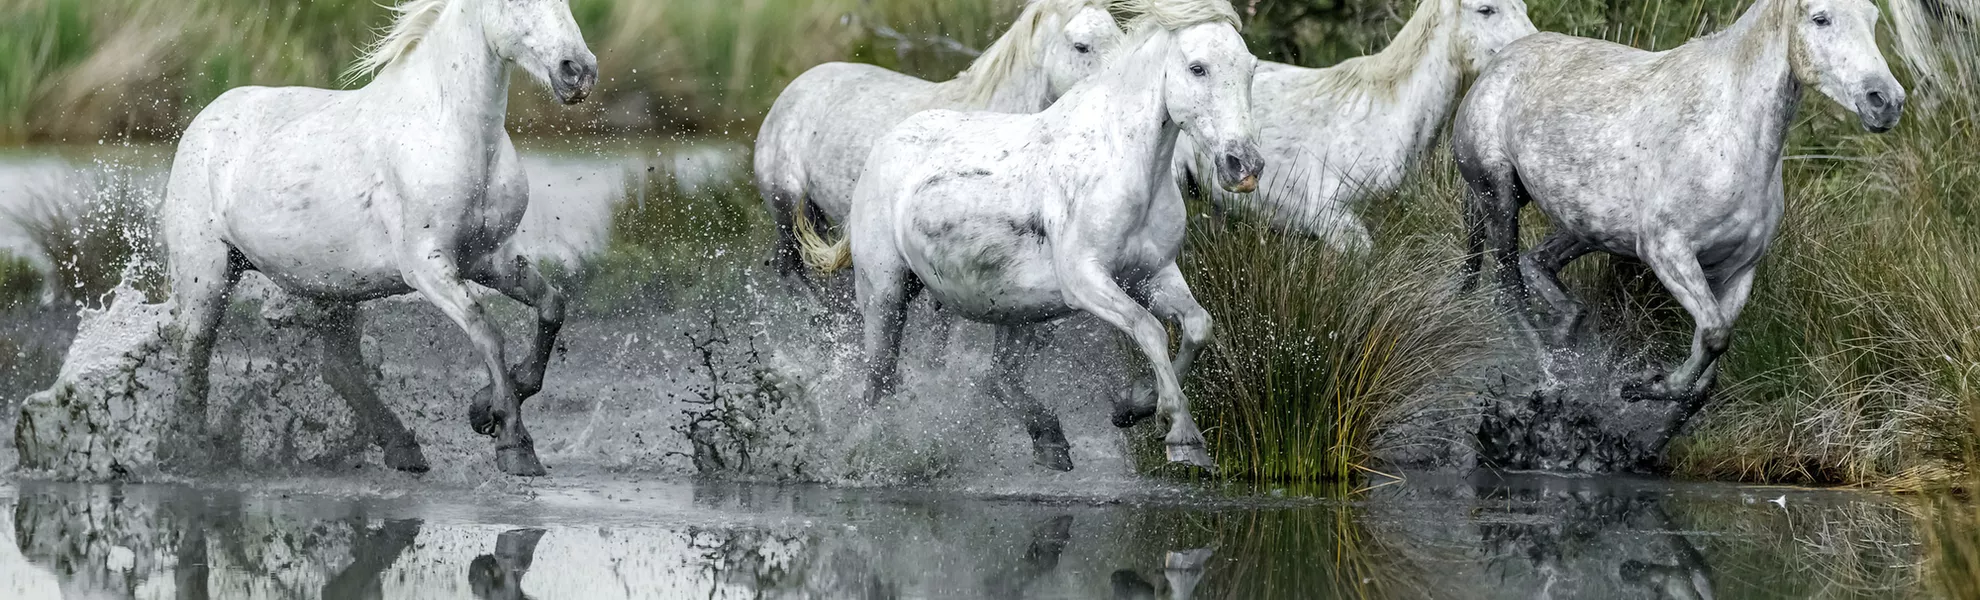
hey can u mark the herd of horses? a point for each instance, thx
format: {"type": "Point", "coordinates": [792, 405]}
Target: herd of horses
{"type": "Point", "coordinates": [1046, 179]}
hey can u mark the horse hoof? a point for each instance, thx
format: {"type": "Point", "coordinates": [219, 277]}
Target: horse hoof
{"type": "Point", "coordinates": [520, 461]}
{"type": "Point", "coordinates": [406, 458]}
{"type": "Point", "coordinates": [1057, 457]}
{"type": "Point", "coordinates": [481, 413]}
{"type": "Point", "coordinates": [1191, 454]}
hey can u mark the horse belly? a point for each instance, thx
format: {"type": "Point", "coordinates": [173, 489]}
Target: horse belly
{"type": "Point", "coordinates": [322, 239]}
{"type": "Point", "coordinates": [991, 280]}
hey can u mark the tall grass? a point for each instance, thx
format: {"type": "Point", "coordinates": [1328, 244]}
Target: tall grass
{"type": "Point", "coordinates": [1318, 351]}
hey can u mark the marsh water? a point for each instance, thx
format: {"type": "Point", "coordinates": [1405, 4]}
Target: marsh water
{"type": "Point", "coordinates": [1483, 536]}
{"type": "Point", "coordinates": [936, 500]}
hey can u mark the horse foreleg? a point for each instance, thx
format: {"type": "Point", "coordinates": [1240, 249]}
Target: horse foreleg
{"type": "Point", "coordinates": [343, 369]}
{"type": "Point", "coordinates": [1006, 381]}
{"type": "Point", "coordinates": [438, 278]}
{"type": "Point", "coordinates": [1677, 267]}
{"type": "Point", "coordinates": [520, 280]}
{"type": "Point", "coordinates": [1090, 288]}
{"type": "Point", "coordinates": [884, 287]}
{"type": "Point", "coordinates": [203, 277]}
{"type": "Point", "coordinates": [1170, 299]}
{"type": "Point", "coordinates": [1541, 268]}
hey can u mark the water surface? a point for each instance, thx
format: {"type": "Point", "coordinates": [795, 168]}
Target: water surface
{"type": "Point", "coordinates": [606, 536]}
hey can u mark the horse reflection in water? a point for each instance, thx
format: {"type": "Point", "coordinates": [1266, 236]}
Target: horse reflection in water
{"type": "Point", "coordinates": [499, 576]}
{"type": "Point", "coordinates": [1180, 572]}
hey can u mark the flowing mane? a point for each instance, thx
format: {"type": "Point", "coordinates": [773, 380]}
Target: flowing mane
{"type": "Point", "coordinates": [1011, 53]}
{"type": "Point", "coordinates": [1383, 72]}
{"type": "Point", "coordinates": [1170, 15]}
{"type": "Point", "coordinates": [415, 18]}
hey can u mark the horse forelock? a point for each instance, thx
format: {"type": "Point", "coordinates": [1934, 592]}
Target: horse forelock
{"type": "Point", "coordinates": [1171, 15]}
{"type": "Point", "coordinates": [415, 18]}
{"type": "Point", "coordinates": [1015, 49]}
{"type": "Point", "coordinates": [1383, 72]}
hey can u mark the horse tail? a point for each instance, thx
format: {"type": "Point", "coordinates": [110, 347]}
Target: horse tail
{"type": "Point", "coordinates": [826, 257]}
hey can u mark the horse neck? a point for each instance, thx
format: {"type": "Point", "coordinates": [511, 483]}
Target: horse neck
{"type": "Point", "coordinates": [1120, 105]}
{"type": "Point", "coordinates": [1754, 53]}
{"type": "Point", "coordinates": [1429, 94]}
{"type": "Point", "coordinates": [453, 73]}
{"type": "Point", "coordinates": [1023, 90]}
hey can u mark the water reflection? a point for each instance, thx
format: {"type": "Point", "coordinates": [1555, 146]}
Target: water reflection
{"type": "Point", "coordinates": [1485, 537]}
{"type": "Point", "coordinates": [499, 576]}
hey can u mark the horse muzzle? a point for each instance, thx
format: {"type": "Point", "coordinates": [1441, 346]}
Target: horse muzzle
{"type": "Point", "coordinates": [1238, 167]}
{"type": "Point", "coordinates": [574, 79]}
{"type": "Point", "coordinates": [1880, 107]}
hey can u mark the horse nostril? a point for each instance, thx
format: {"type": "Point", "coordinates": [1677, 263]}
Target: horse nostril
{"type": "Point", "coordinates": [1233, 164]}
{"type": "Point", "coordinates": [1877, 99]}
{"type": "Point", "coordinates": [570, 69]}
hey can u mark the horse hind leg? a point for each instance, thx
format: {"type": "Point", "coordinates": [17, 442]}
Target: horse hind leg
{"type": "Point", "coordinates": [520, 280]}
{"type": "Point", "coordinates": [1049, 447]}
{"type": "Point", "coordinates": [343, 368]}
{"type": "Point", "coordinates": [883, 287]}
{"type": "Point", "coordinates": [1541, 267]}
{"type": "Point", "coordinates": [203, 273]}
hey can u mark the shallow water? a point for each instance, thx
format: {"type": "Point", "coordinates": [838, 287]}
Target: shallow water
{"type": "Point", "coordinates": [605, 536]}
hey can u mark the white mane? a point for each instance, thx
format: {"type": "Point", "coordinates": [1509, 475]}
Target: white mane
{"type": "Point", "coordinates": [1175, 14]}
{"type": "Point", "coordinates": [415, 18]}
{"type": "Point", "coordinates": [1010, 53]}
{"type": "Point", "coordinates": [1381, 73]}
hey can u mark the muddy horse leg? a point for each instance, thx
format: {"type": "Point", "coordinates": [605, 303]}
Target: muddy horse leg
{"type": "Point", "coordinates": [1713, 308]}
{"type": "Point", "coordinates": [203, 277]}
{"type": "Point", "coordinates": [519, 279]}
{"type": "Point", "coordinates": [1090, 288]}
{"type": "Point", "coordinates": [1541, 268]}
{"type": "Point", "coordinates": [343, 368]}
{"type": "Point", "coordinates": [1006, 382]}
{"type": "Point", "coordinates": [1169, 299]}
{"type": "Point", "coordinates": [438, 278]}
{"type": "Point", "coordinates": [883, 287]}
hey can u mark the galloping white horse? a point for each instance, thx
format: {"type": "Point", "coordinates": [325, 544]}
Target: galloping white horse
{"type": "Point", "coordinates": [1344, 133]}
{"type": "Point", "coordinates": [1671, 157]}
{"type": "Point", "coordinates": [816, 137]}
{"type": "Point", "coordinates": [408, 184]}
{"type": "Point", "coordinates": [1014, 220]}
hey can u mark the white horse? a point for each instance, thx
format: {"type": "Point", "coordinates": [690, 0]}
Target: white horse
{"type": "Point", "coordinates": [1345, 133]}
{"type": "Point", "coordinates": [1671, 157]}
{"type": "Point", "coordinates": [1014, 220]}
{"type": "Point", "coordinates": [817, 135]}
{"type": "Point", "coordinates": [408, 184]}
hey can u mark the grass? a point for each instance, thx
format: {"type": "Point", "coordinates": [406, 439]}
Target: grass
{"type": "Point", "coordinates": [81, 70]}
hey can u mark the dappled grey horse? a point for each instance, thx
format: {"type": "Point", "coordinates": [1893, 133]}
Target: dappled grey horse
{"type": "Point", "coordinates": [407, 184]}
{"type": "Point", "coordinates": [1349, 132]}
{"type": "Point", "coordinates": [1670, 157]}
{"type": "Point", "coordinates": [815, 140]}
{"type": "Point", "coordinates": [1015, 220]}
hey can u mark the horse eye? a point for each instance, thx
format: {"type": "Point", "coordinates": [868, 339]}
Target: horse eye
{"type": "Point", "coordinates": [1822, 19]}
{"type": "Point", "coordinates": [1487, 10]}
{"type": "Point", "coordinates": [1082, 48]}
{"type": "Point", "coordinates": [1198, 70]}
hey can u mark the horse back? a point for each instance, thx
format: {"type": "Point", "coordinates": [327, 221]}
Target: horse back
{"type": "Point", "coordinates": [817, 135]}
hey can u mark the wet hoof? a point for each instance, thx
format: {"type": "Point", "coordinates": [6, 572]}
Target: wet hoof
{"type": "Point", "coordinates": [407, 457]}
{"type": "Point", "coordinates": [1057, 457]}
{"type": "Point", "coordinates": [519, 460]}
{"type": "Point", "coordinates": [481, 413]}
{"type": "Point", "coordinates": [1191, 454]}
{"type": "Point", "coordinates": [1137, 405]}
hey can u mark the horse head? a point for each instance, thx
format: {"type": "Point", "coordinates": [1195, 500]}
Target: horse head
{"type": "Point", "coordinates": [1833, 48]}
{"type": "Point", "coordinates": [1484, 27]}
{"type": "Point", "coordinates": [1208, 91]}
{"type": "Point", "coordinates": [1074, 43]}
{"type": "Point", "coordinates": [542, 38]}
